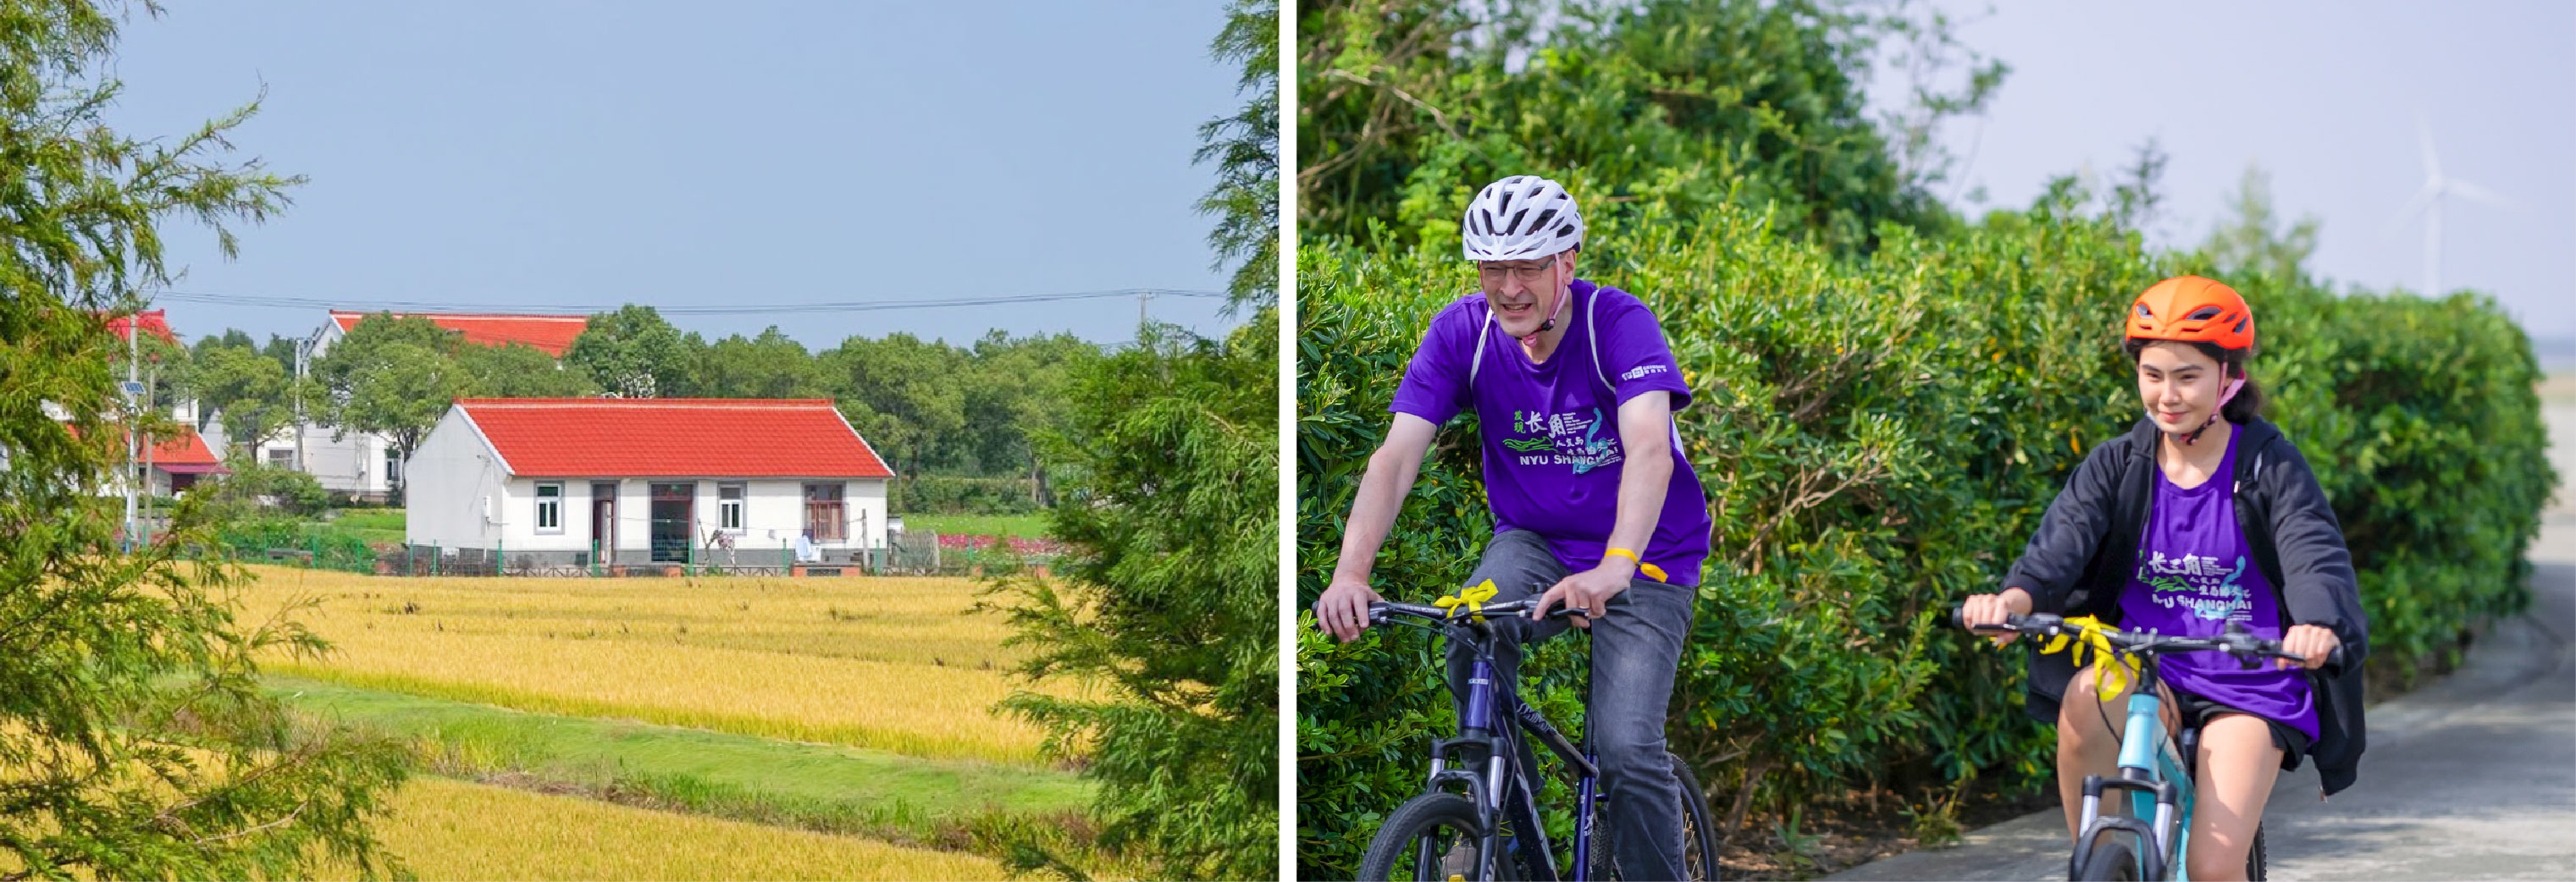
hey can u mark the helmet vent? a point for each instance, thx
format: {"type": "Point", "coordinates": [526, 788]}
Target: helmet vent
{"type": "Point", "coordinates": [2202, 314]}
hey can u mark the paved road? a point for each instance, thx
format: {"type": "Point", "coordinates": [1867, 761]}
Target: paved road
{"type": "Point", "coordinates": [2473, 777]}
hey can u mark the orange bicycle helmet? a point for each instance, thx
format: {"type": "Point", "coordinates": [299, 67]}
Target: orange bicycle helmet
{"type": "Point", "coordinates": [2194, 309]}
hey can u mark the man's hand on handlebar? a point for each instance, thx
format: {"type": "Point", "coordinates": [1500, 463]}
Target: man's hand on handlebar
{"type": "Point", "coordinates": [1343, 610]}
{"type": "Point", "coordinates": [1589, 591]}
{"type": "Point", "coordinates": [1990, 609]}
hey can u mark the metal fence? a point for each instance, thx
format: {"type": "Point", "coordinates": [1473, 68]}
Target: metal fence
{"type": "Point", "coordinates": [916, 553]}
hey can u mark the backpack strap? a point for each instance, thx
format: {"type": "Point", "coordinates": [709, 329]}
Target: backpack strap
{"type": "Point", "coordinates": [1476, 362]}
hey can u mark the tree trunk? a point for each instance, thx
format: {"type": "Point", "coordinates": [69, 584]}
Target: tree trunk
{"type": "Point", "coordinates": [1753, 773]}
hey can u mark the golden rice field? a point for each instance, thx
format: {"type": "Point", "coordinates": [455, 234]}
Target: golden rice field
{"type": "Point", "coordinates": [890, 663]}
{"type": "Point", "coordinates": [446, 829]}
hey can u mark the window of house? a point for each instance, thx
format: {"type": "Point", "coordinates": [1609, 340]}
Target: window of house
{"type": "Point", "coordinates": [550, 507]}
{"type": "Point", "coordinates": [281, 457]}
{"type": "Point", "coordinates": [824, 520]}
{"type": "Point", "coordinates": [729, 507]}
{"type": "Point", "coordinates": [393, 466]}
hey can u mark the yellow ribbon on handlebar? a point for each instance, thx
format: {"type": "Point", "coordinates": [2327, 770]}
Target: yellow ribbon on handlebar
{"type": "Point", "coordinates": [1472, 597]}
{"type": "Point", "coordinates": [2108, 679]}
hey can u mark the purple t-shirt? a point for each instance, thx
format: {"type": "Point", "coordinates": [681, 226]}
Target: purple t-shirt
{"type": "Point", "coordinates": [1551, 431]}
{"type": "Point", "coordinates": [2195, 575]}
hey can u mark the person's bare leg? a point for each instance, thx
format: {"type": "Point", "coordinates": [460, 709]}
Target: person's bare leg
{"type": "Point", "coordinates": [2238, 764]}
{"type": "Point", "coordinates": [2088, 741]}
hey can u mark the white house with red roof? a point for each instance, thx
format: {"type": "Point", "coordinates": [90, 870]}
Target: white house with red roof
{"type": "Point", "coordinates": [364, 464]}
{"type": "Point", "coordinates": [631, 481]}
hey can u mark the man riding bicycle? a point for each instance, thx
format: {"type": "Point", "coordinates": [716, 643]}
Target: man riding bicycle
{"type": "Point", "coordinates": [1594, 504]}
{"type": "Point", "coordinates": [2201, 517]}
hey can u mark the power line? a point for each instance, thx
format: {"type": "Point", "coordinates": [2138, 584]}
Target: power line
{"type": "Point", "coordinates": [291, 302]}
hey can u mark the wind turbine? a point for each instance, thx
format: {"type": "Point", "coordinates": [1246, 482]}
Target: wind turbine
{"type": "Point", "coordinates": [2428, 202]}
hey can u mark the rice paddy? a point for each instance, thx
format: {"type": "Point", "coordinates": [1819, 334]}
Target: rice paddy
{"type": "Point", "coordinates": [447, 829]}
{"type": "Point", "coordinates": [894, 664]}
{"type": "Point", "coordinates": [727, 727]}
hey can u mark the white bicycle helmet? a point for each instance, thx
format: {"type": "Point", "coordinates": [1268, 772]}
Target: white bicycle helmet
{"type": "Point", "coordinates": [1522, 217]}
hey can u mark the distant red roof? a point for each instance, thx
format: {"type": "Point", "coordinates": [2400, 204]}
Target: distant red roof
{"type": "Point", "coordinates": [154, 321]}
{"type": "Point", "coordinates": [673, 437]}
{"type": "Point", "coordinates": [550, 334]}
{"type": "Point", "coordinates": [190, 450]}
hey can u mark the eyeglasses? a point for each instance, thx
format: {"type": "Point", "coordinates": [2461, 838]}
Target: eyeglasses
{"type": "Point", "coordinates": [1492, 274]}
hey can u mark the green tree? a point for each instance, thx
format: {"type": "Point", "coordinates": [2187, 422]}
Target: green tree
{"type": "Point", "coordinates": [391, 375]}
{"type": "Point", "coordinates": [2252, 241]}
{"type": "Point", "coordinates": [904, 394]}
{"type": "Point", "coordinates": [634, 353]}
{"type": "Point", "coordinates": [518, 370]}
{"type": "Point", "coordinates": [772, 365]}
{"type": "Point", "coordinates": [1015, 394]}
{"type": "Point", "coordinates": [1169, 599]}
{"type": "Point", "coordinates": [138, 740]}
{"type": "Point", "coordinates": [1245, 147]}
{"type": "Point", "coordinates": [1653, 113]}
{"type": "Point", "coordinates": [250, 391]}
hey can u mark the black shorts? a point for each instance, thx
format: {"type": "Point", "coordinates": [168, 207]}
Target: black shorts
{"type": "Point", "coordinates": [2197, 711]}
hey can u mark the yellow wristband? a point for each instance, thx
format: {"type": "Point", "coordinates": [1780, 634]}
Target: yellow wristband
{"type": "Point", "coordinates": [1652, 571]}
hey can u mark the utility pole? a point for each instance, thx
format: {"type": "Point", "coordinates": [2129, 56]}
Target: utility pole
{"type": "Point", "coordinates": [303, 359]}
{"type": "Point", "coordinates": [133, 353]}
{"type": "Point", "coordinates": [1142, 295]}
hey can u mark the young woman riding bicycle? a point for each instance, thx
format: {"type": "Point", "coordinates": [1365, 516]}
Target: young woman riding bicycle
{"type": "Point", "coordinates": [2203, 515]}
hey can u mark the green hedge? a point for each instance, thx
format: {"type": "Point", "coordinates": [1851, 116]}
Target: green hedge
{"type": "Point", "coordinates": [333, 548]}
{"type": "Point", "coordinates": [1878, 438]}
{"type": "Point", "coordinates": [950, 494]}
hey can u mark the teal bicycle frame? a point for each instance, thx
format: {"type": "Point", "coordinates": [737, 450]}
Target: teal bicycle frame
{"type": "Point", "coordinates": [2158, 786]}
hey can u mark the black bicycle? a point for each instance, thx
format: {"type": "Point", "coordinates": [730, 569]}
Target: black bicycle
{"type": "Point", "coordinates": [1477, 819]}
{"type": "Point", "coordinates": [2157, 772]}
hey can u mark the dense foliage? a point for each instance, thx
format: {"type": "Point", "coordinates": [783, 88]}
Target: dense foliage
{"type": "Point", "coordinates": [1407, 106]}
{"type": "Point", "coordinates": [134, 735]}
{"type": "Point", "coordinates": [1882, 412]}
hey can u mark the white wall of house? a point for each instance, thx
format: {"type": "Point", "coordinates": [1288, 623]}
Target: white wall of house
{"type": "Point", "coordinates": [460, 501]}
{"type": "Point", "coordinates": [773, 511]}
{"type": "Point", "coordinates": [353, 464]}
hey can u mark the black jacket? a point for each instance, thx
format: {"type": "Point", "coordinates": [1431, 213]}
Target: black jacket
{"type": "Point", "coordinates": [2073, 567]}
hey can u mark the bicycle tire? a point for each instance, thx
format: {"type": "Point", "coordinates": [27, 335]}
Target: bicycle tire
{"type": "Point", "coordinates": [2254, 859]}
{"type": "Point", "coordinates": [1394, 853]}
{"type": "Point", "coordinates": [2111, 861]}
{"type": "Point", "coordinates": [1699, 833]}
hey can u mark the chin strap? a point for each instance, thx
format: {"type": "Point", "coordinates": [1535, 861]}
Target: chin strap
{"type": "Point", "coordinates": [1562, 298]}
{"type": "Point", "coordinates": [2223, 397]}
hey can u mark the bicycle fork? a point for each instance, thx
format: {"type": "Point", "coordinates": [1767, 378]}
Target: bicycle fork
{"type": "Point", "coordinates": [2152, 773]}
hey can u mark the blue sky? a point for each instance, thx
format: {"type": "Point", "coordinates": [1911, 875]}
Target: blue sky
{"type": "Point", "coordinates": [498, 155]}
{"type": "Point", "coordinates": [2325, 97]}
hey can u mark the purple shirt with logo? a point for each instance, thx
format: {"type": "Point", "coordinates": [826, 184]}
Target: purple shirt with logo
{"type": "Point", "coordinates": [2195, 574]}
{"type": "Point", "coordinates": [1551, 431]}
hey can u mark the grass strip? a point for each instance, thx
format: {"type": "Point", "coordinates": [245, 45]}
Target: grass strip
{"type": "Point", "coordinates": [827, 788]}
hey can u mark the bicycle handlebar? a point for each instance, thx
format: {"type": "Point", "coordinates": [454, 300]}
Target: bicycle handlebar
{"type": "Point", "coordinates": [1379, 611]}
{"type": "Point", "coordinates": [2236, 642]}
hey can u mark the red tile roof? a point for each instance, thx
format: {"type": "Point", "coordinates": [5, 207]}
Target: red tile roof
{"type": "Point", "coordinates": [673, 437]}
{"type": "Point", "coordinates": [154, 321]}
{"type": "Point", "coordinates": [188, 450]}
{"type": "Point", "coordinates": [550, 334]}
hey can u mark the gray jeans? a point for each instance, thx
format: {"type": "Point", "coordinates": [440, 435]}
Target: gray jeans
{"type": "Point", "coordinates": [1635, 648]}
